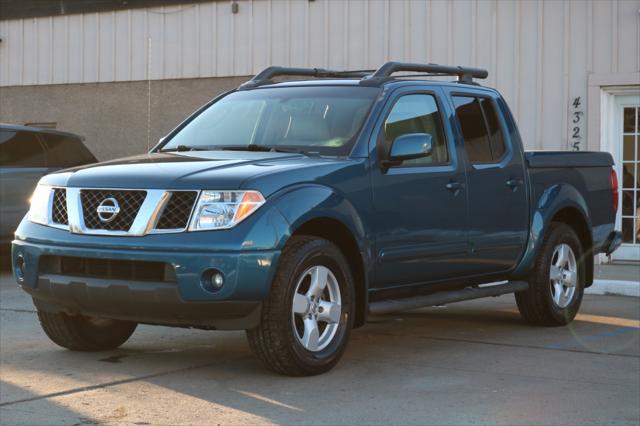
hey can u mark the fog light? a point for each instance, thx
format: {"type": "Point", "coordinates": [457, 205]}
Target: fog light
{"type": "Point", "coordinates": [217, 280]}
{"type": "Point", "coordinates": [18, 267]}
{"type": "Point", "coordinates": [212, 280]}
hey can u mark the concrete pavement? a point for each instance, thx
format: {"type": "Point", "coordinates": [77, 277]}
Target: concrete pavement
{"type": "Point", "coordinates": [468, 363]}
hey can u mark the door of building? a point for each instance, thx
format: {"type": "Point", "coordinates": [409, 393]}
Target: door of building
{"type": "Point", "coordinates": [626, 152]}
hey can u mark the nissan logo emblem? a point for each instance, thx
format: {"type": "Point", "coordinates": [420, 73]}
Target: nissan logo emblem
{"type": "Point", "coordinates": [108, 209]}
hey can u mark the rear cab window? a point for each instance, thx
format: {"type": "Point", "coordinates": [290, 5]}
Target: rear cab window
{"type": "Point", "coordinates": [66, 151]}
{"type": "Point", "coordinates": [484, 141]}
{"type": "Point", "coordinates": [21, 149]}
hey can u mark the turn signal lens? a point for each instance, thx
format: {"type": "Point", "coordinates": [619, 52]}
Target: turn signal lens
{"type": "Point", "coordinates": [250, 202]}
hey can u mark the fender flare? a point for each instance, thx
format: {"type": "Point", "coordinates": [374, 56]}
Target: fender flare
{"type": "Point", "coordinates": [303, 203]}
{"type": "Point", "coordinates": [300, 204]}
{"type": "Point", "coordinates": [554, 199]}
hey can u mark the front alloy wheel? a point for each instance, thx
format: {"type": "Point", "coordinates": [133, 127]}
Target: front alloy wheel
{"type": "Point", "coordinates": [316, 308]}
{"type": "Point", "coordinates": [307, 316]}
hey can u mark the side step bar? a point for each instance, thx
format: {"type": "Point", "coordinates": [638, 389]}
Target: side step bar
{"type": "Point", "coordinates": [442, 297]}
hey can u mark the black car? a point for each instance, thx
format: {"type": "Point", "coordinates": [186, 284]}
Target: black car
{"type": "Point", "coordinates": [27, 154]}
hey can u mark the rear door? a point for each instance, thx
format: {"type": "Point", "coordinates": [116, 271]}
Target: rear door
{"type": "Point", "coordinates": [498, 201]}
{"type": "Point", "coordinates": [420, 207]}
{"type": "Point", "coordinates": [22, 164]}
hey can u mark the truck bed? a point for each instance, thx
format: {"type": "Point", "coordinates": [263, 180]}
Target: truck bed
{"type": "Point", "coordinates": [582, 178]}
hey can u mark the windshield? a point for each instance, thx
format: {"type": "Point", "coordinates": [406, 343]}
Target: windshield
{"type": "Point", "coordinates": [323, 119]}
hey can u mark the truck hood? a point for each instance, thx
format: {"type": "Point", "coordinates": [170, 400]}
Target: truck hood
{"type": "Point", "coordinates": [196, 170]}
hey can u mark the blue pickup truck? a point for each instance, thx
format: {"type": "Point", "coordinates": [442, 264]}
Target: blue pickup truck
{"type": "Point", "coordinates": [293, 209]}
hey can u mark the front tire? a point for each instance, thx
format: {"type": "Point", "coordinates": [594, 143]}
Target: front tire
{"type": "Point", "coordinates": [86, 334]}
{"type": "Point", "coordinates": [556, 283]}
{"type": "Point", "coordinates": [308, 315]}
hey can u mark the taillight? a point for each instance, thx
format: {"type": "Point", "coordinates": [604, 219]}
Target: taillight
{"type": "Point", "coordinates": [614, 190]}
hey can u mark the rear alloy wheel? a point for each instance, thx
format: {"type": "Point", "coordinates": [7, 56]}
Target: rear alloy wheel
{"type": "Point", "coordinates": [563, 275]}
{"type": "Point", "coordinates": [308, 314]}
{"type": "Point", "coordinates": [556, 283]}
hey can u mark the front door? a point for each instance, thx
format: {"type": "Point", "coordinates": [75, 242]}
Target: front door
{"type": "Point", "coordinates": [626, 149]}
{"type": "Point", "coordinates": [420, 205]}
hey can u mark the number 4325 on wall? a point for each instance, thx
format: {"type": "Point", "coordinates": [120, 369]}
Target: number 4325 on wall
{"type": "Point", "coordinates": [577, 115]}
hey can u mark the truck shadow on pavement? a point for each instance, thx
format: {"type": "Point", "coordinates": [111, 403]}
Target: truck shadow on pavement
{"type": "Point", "coordinates": [397, 369]}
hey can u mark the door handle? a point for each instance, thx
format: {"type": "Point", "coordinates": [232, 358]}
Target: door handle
{"type": "Point", "coordinates": [454, 187]}
{"type": "Point", "coordinates": [514, 183]}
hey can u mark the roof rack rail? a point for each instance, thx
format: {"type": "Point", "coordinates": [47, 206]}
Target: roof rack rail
{"type": "Point", "coordinates": [369, 77]}
{"type": "Point", "coordinates": [265, 76]}
{"type": "Point", "coordinates": [465, 74]}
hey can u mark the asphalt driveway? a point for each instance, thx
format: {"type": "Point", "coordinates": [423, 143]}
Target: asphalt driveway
{"type": "Point", "coordinates": [468, 363]}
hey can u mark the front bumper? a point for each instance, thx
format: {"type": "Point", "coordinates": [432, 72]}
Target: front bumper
{"type": "Point", "coordinates": [184, 301]}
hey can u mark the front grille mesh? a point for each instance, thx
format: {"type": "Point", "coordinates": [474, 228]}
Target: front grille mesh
{"type": "Point", "coordinates": [128, 201]}
{"type": "Point", "coordinates": [176, 214]}
{"type": "Point", "coordinates": [59, 208]}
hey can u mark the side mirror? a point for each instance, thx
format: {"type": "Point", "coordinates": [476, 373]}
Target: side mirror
{"type": "Point", "coordinates": [409, 147]}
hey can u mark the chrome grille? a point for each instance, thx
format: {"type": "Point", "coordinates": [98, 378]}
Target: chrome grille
{"type": "Point", "coordinates": [177, 211]}
{"type": "Point", "coordinates": [122, 212]}
{"type": "Point", "coordinates": [128, 201]}
{"type": "Point", "coordinates": [59, 209]}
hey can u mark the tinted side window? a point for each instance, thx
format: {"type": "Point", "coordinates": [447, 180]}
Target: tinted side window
{"type": "Point", "coordinates": [64, 151]}
{"type": "Point", "coordinates": [20, 149]}
{"type": "Point", "coordinates": [418, 114]}
{"type": "Point", "coordinates": [495, 132]}
{"type": "Point", "coordinates": [474, 132]}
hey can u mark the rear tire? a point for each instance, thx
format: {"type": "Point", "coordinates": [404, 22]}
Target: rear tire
{"type": "Point", "coordinates": [308, 315]}
{"type": "Point", "coordinates": [556, 283]}
{"type": "Point", "coordinates": [80, 333]}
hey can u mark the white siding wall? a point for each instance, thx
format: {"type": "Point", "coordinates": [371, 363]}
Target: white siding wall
{"type": "Point", "coordinates": [538, 53]}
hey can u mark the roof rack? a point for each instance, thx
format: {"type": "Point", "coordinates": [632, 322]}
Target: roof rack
{"type": "Point", "coordinates": [465, 74]}
{"type": "Point", "coordinates": [369, 77]}
{"type": "Point", "coordinates": [265, 76]}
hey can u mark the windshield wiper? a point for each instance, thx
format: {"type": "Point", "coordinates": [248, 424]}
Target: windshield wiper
{"type": "Point", "coordinates": [185, 148]}
{"type": "Point", "coordinates": [249, 147]}
{"type": "Point", "coordinates": [263, 148]}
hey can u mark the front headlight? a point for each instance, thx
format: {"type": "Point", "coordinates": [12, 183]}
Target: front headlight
{"type": "Point", "coordinates": [40, 201]}
{"type": "Point", "coordinates": [224, 209]}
